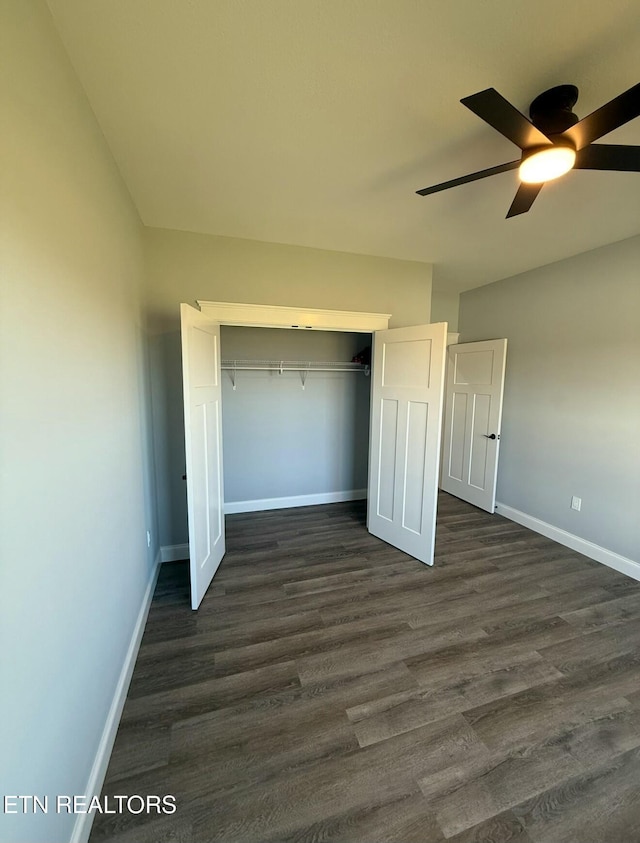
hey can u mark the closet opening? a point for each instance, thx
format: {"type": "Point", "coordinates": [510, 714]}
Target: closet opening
{"type": "Point", "coordinates": [295, 417]}
{"type": "Point", "coordinates": [317, 453]}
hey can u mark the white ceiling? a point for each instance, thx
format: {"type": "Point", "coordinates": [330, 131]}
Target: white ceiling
{"type": "Point", "coordinates": [313, 122]}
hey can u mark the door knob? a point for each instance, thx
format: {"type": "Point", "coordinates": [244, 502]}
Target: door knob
{"type": "Point", "coordinates": [490, 436]}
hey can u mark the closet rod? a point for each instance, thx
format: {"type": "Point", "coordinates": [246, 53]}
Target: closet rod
{"type": "Point", "coordinates": [292, 366]}
{"type": "Point", "coordinates": [280, 366]}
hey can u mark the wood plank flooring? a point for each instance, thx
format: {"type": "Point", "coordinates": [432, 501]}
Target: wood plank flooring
{"type": "Point", "coordinates": [333, 689]}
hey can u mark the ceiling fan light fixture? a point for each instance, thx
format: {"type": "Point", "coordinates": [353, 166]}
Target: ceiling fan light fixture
{"type": "Point", "coordinates": [546, 163]}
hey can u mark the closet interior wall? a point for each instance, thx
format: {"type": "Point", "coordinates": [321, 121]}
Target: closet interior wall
{"type": "Point", "coordinates": [285, 445]}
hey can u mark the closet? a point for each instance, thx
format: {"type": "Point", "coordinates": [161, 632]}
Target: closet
{"type": "Point", "coordinates": [298, 435]}
{"type": "Point", "coordinates": [295, 414]}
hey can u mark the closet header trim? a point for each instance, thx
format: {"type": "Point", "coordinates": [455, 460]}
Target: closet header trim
{"type": "Point", "coordinates": [274, 316]}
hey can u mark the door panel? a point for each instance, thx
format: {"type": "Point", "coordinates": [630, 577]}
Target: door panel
{"type": "Point", "coordinates": [387, 458]}
{"type": "Point", "coordinates": [203, 447]}
{"type": "Point", "coordinates": [473, 366]}
{"type": "Point", "coordinates": [406, 419]}
{"type": "Point", "coordinates": [473, 413]}
{"type": "Point", "coordinates": [457, 428]}
{"type": "Point", "coordinates": [417, 426]}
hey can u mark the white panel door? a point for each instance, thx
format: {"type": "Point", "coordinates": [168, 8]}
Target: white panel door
{"type": "Point", "coordinates": [473, 415]}
{"type": "Point", "coordinates": [203, 445]}
{"type": "Point", "coordinates": [406, 419]}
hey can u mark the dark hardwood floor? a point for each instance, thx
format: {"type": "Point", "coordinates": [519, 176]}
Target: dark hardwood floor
{"type": "Point", "coordinates": [332, 689]}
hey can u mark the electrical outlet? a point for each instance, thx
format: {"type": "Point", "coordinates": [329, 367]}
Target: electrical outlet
{"type": "Point", "coordinates": [148, 539]}
{"type": "Point", "coordinates": [576, 503]}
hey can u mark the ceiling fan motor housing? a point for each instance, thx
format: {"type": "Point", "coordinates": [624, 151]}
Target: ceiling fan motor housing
{"type": "Point", "coordinates": [551, 111]}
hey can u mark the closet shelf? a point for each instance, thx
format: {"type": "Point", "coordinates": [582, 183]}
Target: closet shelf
{"type": "Point", "coordinates": [281, 366]}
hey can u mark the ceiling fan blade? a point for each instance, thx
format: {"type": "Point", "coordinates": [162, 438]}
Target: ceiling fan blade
{"type": "Point", "coordinates": [600, 156]}
{"type": "Point", "coordinates": [615, 113]}
{"type": "Point", "coordinates": [481, 174]}
{"type": "Point", "coordinates": [498, 112]}
{"type": "Point", "coordinates": [524, 199]}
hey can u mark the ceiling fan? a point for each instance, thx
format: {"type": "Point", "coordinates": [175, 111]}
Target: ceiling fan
{"type": "Point", "coordinates": [554, 140]}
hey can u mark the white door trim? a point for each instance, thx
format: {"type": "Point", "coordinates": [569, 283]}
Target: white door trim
{"type": "Point", "coordinates": [275, 316]}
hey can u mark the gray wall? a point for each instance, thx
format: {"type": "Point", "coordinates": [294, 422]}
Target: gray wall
{"type": "Point", "coordinates": [168, 437]}
{"type": "Point", "coordinates": [74, 563]}
{"type": "Point", "coordinates": [183, 267]}
{"type": "Point", "coordinates": [281, 440]}
{"type": "Point", "coordinates": [572, 400]}
{"type": "Point", "coordinates": [445, 308]}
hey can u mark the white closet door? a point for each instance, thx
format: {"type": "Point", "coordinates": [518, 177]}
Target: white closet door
{"type": "Point", "coordinates": [473, 415]}
{"type": "Point", "coordinates": [203, 446]}
{"type": "Point", "coordinates": [406, 420]}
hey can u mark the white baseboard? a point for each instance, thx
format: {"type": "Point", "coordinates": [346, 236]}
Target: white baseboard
{"type": "Point", "coordinates": [174, 552]}
{"type": "Point", "coordinates": [83, 823]}
{"type": "Point", "coordinates": [297, 500]}
{"type": "Point", "coordinates": [587, 548]}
